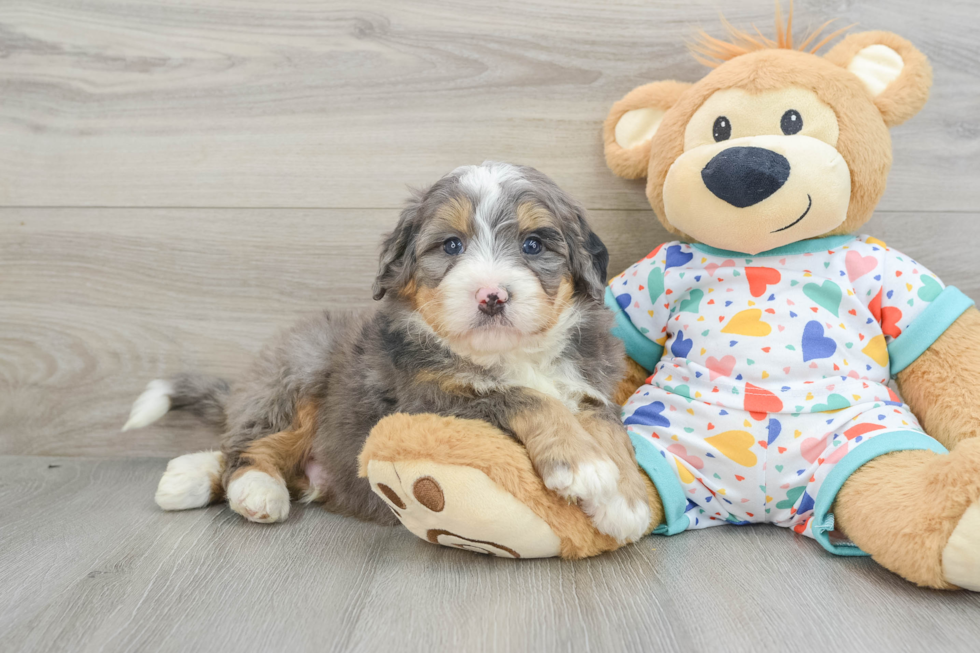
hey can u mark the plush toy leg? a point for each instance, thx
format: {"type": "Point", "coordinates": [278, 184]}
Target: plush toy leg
{"type": "Point", "coordinates": [918, 514]}
{"type": "Point", "coordinates": [463, 483]}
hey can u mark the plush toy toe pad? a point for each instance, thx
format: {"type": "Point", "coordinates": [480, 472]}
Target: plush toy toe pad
{"type": "Point", "coordinates": [961, 557]}
{"type": "Point", "coordinates": [459, 506]}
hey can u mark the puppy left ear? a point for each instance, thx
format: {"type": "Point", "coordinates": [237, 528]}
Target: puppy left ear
{"type": "Point", "coordinates": [398, 252]}
{"type": "Point", "coordinates": [589, 261]}
{"type": "Point", "coordinates": [895, 73]}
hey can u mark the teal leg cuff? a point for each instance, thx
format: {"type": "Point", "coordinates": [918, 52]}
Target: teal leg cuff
{"type": "Point", "coordinates": [823, 520]}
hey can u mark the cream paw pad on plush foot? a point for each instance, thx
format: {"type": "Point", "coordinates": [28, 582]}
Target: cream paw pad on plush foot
{"type": "Point", "coordinates": [461, 507]}
{"type": "Point", "coordinates": [961, 557]}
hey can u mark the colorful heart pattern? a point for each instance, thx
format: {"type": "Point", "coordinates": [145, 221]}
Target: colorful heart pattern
{"type": "Point", "coordinates": [748, 323]}
{"type": "Point", "coordinates": [774, 369]}
{"type": "Point", "coordinates": [760, 279]}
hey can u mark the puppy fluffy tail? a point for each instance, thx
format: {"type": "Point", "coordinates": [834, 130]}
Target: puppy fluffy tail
{"type": "Point", "coordinates": [203, 396]}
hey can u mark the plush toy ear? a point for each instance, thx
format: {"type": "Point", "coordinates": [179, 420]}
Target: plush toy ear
{"type": "Point", "coordinates": [633, 121]}
{"type": "Point", "coordinates": [896, 74]}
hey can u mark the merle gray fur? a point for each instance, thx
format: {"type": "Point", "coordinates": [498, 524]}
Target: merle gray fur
{"type": "Point", "coordinates": [361, 366]}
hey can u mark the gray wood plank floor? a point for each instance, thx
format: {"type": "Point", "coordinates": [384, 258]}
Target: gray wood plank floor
{"type": "Point", "coordinates": [90, 564]}
{"type": "Point", "coordinates": [179, 179]}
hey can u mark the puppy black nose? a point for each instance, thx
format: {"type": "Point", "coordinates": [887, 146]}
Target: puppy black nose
{"type": "Point", "coordinates": [743, 176]}
{"type": "Point", "coordinates": [492, 304]}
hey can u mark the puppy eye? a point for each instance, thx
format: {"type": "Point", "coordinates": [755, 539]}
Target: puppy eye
{"type": "Point", "coordinates": [722, 130]}
{"type": "Point", "coordinates": [531, 246]}
{"type": "Point", "coordinates": [791, 122]}
{"type": "Point", "coordinates": [453, 246]}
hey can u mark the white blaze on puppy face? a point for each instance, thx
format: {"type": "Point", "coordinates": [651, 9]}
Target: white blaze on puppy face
{"type": "Point", "coordinates": [491, 234]}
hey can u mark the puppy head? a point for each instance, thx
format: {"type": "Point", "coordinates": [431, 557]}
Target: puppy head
{"type": "Point", "coordinates": [492, 257]}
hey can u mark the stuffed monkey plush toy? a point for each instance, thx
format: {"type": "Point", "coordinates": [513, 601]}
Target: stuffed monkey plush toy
{"type": "Point", "coordinates": [761, 341]}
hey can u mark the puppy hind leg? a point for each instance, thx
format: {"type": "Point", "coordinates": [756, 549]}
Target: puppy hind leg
{"type": "Point", "coordinates": [271, 469]}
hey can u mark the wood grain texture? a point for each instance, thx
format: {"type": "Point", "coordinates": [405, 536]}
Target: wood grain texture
{"type": "Point", "coordinates": [97, 302]}
{"type": "Point", "coordinates": [105, 570]}
{"type": "Point", "coordinates": [296, 126]}
{"type": "Point", "coordinates": [340, 104]}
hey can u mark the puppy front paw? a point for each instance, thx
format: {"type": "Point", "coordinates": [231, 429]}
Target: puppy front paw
{"type": "Point", "coordinates": [615, 510]}
{"type": "Point", "coordinates": [625, 519]}
{"type": "Point", "coordinates": [259, 497]}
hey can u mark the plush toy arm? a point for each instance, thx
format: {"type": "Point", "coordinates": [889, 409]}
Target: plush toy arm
{"type": "Point", "coordinates": [942, 387]}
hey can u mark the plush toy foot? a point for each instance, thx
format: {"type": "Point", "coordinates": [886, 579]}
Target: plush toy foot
{"type": "Point", "coordinates": [961, 556]}
{"type": "Point", "coordinates": [918, 514]}
{"type": "Point", "coordinates": [463, 483]}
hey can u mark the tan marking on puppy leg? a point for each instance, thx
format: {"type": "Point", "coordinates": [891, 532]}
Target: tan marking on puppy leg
{"type": "Point", "coordinates": [284, 454]}
{"type": "Point", "coordinates": [594, 468]}
{"type": "Point", "coordinates": [448, 384]}
{"type": "Point", "coordinates": [552, 436]}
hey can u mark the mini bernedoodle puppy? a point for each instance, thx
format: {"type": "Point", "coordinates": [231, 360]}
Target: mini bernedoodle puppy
{"type": "Point", "coordinates": [491, 308]}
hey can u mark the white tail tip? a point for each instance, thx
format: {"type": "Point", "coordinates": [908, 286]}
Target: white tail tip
{"type": "Point", "coordinates": [150, 406]}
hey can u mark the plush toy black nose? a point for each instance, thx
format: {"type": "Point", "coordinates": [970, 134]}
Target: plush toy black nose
{"type": "Point", "coordinates": [743, 176]}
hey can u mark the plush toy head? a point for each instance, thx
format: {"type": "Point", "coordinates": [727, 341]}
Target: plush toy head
{"type": "Point", "coordinates": [776, 144]}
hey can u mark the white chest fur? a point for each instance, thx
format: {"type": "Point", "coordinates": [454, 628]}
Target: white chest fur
{"type": "Point", "coordinates": [553, 377]}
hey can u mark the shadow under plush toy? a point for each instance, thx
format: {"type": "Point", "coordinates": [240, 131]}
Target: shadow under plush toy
{"type": "Point", "coordinates": [762, 341]}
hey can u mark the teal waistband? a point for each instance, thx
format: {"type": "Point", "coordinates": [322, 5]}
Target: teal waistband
{"type": "Point", "coordinates": [926, 328]}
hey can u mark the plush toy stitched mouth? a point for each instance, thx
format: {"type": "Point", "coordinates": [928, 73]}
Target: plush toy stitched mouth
{"type": "Point", "coordinates": [797, 221]}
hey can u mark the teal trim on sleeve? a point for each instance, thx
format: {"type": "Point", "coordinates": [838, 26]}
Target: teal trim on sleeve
{"type": "Point", "coordinates": [638, 347]}
{"type": "Point", "coordinates": [823, 521]}
{"type": "Point", "coordinates": [668, 486]}
{"type": "Point", "coordinates": [926, 328]}
{"type": "Point", "coordinates": [811, 246]}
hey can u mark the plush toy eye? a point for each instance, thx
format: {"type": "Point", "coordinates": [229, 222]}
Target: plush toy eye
{"type": "Point", "coordinates": [453, 246]}
{"type": "Point", "coordinates": [531, 246]}
{"type": "Point", "coordinates": [791, 123]}
{"type": "Point", "coordinates": [722, 129]}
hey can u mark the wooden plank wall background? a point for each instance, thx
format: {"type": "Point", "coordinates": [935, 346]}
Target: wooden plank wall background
{"type": "Point", "coordinates": [179, 178]}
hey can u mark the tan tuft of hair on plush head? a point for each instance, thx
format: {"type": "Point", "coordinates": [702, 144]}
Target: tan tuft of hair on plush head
{"type": "Point", "coordinates": [713, 52]}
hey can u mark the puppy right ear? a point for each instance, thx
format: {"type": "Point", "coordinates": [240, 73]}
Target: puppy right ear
{"type": "Point", "coordinates": [397, 262]}
{"type": "Point", "coordinates": [633, 121]}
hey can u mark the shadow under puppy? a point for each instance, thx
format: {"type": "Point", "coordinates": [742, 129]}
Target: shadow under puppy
{"type": "Point", "coordinates": [491, 308]}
